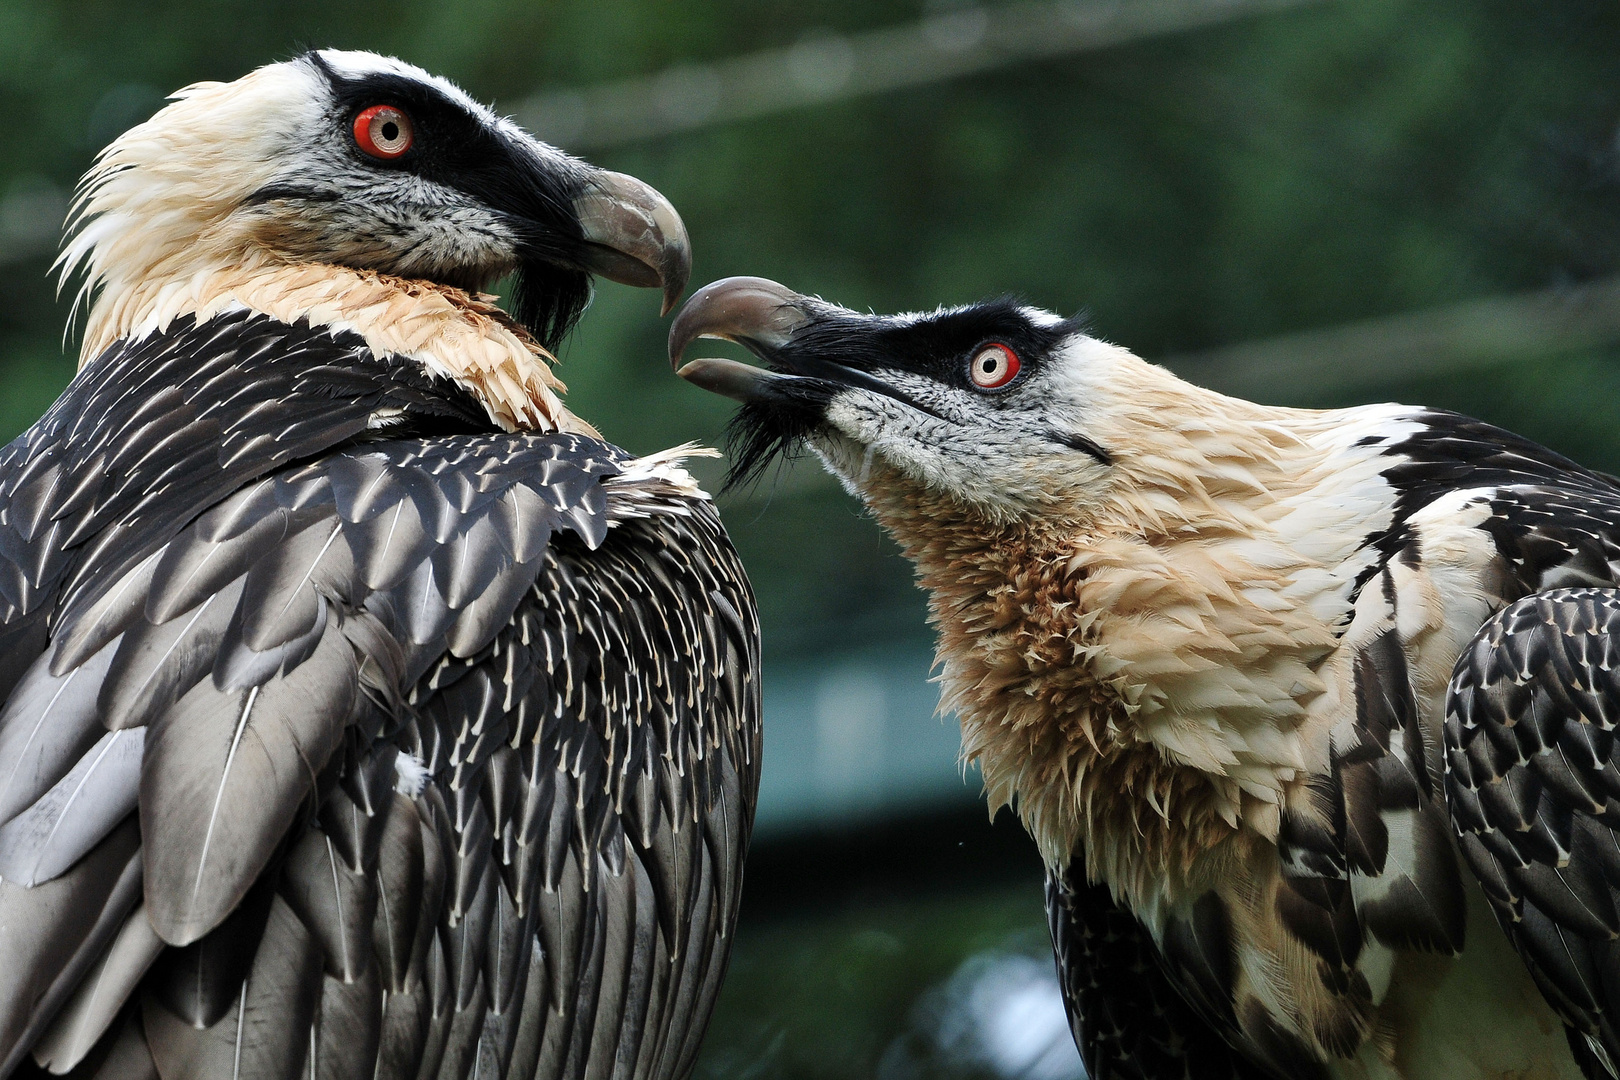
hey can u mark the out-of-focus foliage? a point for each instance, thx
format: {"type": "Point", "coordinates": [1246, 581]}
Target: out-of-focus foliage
{"type": "Point", "coordinates": [863, 991]}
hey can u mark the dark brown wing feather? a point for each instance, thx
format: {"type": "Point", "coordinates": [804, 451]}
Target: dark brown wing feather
{"type": "Point", "coordinates": [1534, 787]}
{"type": "Point", "coordinates": [1128, 1017]}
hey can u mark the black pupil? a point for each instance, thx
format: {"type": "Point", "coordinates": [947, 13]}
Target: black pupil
{"type": "Point", "coordinates": [390, 131]}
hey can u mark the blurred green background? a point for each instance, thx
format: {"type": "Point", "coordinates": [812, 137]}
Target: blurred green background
{"type": "Point", "coordinates": [1424, 194]}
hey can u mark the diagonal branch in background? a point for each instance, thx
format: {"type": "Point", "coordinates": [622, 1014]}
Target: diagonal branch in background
{"type": "Point", "coordinates": [826, 66]}
{"type": "Point", "coordinates": [822, 66]}
{"type": "Point", "coordinates": [1465, 336]}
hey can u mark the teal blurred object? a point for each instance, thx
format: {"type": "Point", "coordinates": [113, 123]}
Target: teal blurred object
{"type": "Point", "coordinates": [854, 737]}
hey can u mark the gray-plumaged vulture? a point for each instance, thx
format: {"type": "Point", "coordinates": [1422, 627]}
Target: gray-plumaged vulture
{"type": "Point", "coordinates": [365, 714]}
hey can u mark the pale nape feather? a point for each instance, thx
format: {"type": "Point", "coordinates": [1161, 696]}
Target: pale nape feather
{"type": "Point", "coordinates": [158, 207]}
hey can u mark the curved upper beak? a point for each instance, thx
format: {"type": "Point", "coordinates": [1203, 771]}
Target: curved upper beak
{"type": "Point", "coordinates": [763, 317]}
{"type": "Point", "coordinates": [754, 312]}
{"type": "Point", "coordinates": [633, 235]}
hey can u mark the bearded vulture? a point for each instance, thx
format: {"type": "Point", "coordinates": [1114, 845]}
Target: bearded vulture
{"type": "Point", "coordinates": [1310, 713]}
{"type": "Point", "coordinates": [365, 714]}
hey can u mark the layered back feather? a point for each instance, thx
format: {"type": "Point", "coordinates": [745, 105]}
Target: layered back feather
{"type": "Point", "coordinates": [431, 755]}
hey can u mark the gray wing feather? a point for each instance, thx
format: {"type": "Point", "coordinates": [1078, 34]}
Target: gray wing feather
{"type": "Point", "coordinates": [338, 904]}
{"type": "Point", "coordinates": [530, 1022]}
{"type": "Point", "coordinates": [507, 952]}
{"type": "Point", "coordinates": [441, 1014]}
{"type": "Point", "coordinates": [73, 816]}
{"type": "Point", "coordinates": [471, 907]}
{"type": "Point", "coordinates": [200, 982]}
{"type": "Point", "coordinates": [349, 1028]}
{"type": "Point", "coordinates": [556, 902]}
{"type": "Point", "coordinates": [356, 813]}
{"type": "Point", "coordinates": [155, 664]}
{"type": "Point", "coordinates": [239, 666]}
{"type": "Point", "coordinates": [281, 598]}
{"type": "Point", "coordinates": [389, 546]}
{"type": "Point", "coordinates": [47, 725]}
{"type": "Point", "coordinates": [100, 998]}
{"type": "Point", "coordinates": [510, 950]}
{"type": "Point", "coordinates": [266, 1033]}
{"type": "Point", "coordinates": [402, 1041]}
{"type": "Point", "coordinates": [463, 1032]}
{"type": "Point", "coordinates": [86, 626]}
{"type": "Point", "coordinates": [52, 934]}
{"type": "Point", "coordinates": [401, 898]}
{"type": "Point", "coordinates": [187, 574]}
{"type": "Point", "coordinates": [223, 778]}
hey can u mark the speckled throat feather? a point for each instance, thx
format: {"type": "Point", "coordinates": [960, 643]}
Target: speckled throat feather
{"type": "Point", "coordinates": [1062, 696]}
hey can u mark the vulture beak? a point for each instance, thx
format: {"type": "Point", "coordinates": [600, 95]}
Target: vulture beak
{"type": "Point", "coordinates": [756, 313]}
{"type": "Point", "coordinates": [797, 335]}
{"type": "Point", "coordinates": [633, 235]}
{"type": "Point", "coordinates": [759, 315]}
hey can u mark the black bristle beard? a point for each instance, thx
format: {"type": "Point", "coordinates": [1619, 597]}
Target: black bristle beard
{"type": "Point", "coordinates": [767, 431]}
{"type": "Point", "coordinates": [547, 300]}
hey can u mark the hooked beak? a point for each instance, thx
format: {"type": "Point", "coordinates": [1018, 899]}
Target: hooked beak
{"type": "Point", "coordinates": [764, 317]}
{"type": "Point", "coordinates": [756, 313]}
{"type": "Point", "coordinates": [633, 235]}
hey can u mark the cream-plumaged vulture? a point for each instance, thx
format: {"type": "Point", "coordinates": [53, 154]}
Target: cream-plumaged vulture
{"type": "Point", "coordinates": [1311, 713]}
{"type": "Point", "coordinates": [365, 714]}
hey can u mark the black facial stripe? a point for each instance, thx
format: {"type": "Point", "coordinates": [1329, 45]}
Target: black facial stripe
{"type": "Point", "coordinates": [1084, 445]}
{"type": "Point", "coordinates": [449, 139]}
{"type": "Point", "coordinates": [293, 193]}
{"type": "Point", "coordinates": [939, 347]}
{"type": "Point", "coordinates": [843, 376]}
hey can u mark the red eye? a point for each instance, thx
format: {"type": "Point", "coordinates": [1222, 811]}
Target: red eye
{"type": "Point", "coordinates": [993, 366]}
{"type": "Point", "coordinates": [383, 131]}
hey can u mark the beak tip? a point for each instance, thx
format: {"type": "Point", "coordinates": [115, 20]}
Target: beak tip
{"type": "Point", "coordinates": [634, 235]}
{"type": "Point", "coordinates": [676, 269]}
{"type": "Point", "coordinates": [677, 272]}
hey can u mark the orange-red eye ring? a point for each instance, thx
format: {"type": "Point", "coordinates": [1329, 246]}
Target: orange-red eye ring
{"type": "Point", "coordinates": [383, 132]}
{"type": "Point", "coordinates": [993, 366]}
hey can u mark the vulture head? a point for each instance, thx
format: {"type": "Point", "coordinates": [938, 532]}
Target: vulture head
{"type": "Point", "coordinates": [1008, 411]}
{"type": "Point", "coordinates": [362, 161]}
